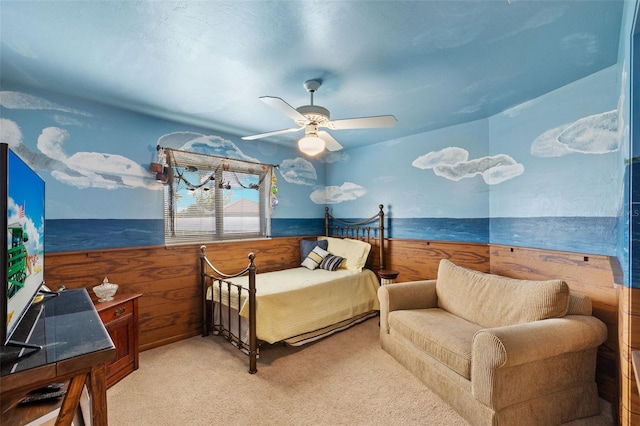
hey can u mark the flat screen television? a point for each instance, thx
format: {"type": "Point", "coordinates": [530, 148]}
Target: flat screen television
{"type": "Point", "coordinates": [22, 199]}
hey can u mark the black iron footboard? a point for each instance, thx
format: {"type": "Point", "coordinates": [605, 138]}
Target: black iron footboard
{"type": "Point", "coordinates": [227, 292]}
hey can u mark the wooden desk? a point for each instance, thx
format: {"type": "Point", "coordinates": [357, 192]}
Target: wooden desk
{"type": "Point", "coordinates": [76, 347]}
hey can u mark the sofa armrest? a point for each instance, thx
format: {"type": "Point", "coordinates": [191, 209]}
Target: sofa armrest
{"type": "Point", "coordinates": [409, 295]}
{"type": "Point", "coordinates": [510, 346]}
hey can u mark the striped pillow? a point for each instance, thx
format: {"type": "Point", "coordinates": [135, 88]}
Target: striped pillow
{"type": "Point", "coordinates": [331, 262]}
{"type": "Point", "coordinates": [314, 258]}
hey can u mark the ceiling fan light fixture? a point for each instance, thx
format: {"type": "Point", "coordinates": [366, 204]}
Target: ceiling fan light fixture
{"type": "Point", "coordinates": [311, 145]}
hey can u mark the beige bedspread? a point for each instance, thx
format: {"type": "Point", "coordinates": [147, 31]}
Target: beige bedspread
{"type": "Point", "coordinates": [299, 300]}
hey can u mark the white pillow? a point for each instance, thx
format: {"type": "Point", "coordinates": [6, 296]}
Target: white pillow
{"type": "Point", "coordinates": [355, 252]}
{"type": "Point", "coordinates": [314, 258]}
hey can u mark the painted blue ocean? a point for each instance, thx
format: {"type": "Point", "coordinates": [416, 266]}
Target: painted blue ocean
{"type": "Point", "coordinates": [594, 235]}
{"type": "Point", "coordinates": [93, 234]}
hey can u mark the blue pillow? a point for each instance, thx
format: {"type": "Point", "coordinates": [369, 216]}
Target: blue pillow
{"type": "Point", "coordinates": [307, 245]}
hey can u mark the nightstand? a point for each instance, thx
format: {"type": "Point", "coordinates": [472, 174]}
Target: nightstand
{"type": "Point", "coordinates": [387, 276]}
{"type": "Point", "coordinates": [120, 318]}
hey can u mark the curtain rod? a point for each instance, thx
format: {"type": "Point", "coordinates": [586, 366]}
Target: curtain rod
{"type": "Point", "coordinates": [277, 166]}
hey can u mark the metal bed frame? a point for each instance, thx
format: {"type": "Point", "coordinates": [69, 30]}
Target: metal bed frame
{"type": "Point", "coordinates": [366, 230]}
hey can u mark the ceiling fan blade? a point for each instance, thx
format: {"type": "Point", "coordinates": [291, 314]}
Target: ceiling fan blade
{"type": "Point", "coordinates": [275, 132]}
{"type": "Point", "coordinates": [363, 122]}
{"type": "Point", "coordinates": [330, 143]}
{"type": "Point", "coordinates": [283, 107]}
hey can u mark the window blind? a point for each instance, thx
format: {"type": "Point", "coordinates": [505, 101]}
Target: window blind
{"type": "Point", "coordinates": [209, 198]}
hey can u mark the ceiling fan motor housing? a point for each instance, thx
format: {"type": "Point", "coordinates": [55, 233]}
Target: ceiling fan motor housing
{"type": "Point", "coordinates": [314, 113]}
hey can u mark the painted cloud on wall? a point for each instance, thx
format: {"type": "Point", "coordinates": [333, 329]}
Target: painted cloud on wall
{"type": "Point", "coordinates": [82, 169]}
{"type": "Point", "coordinates": [298, 171]}
{"type": "Point", "coordinates": [95, 169]}
{"type": "Point", "coordinates": [204, 144]}
{"type": "Point", "coordinates": [337, 194]}
{"type": "Point", "coordinates": [453, 163]}
{"type": "Point", "coordinates": [92, 169]}
{"type": "Point", "coordinates": [594, 134]}
{"type": "Point", "coordinates": [10, 132]}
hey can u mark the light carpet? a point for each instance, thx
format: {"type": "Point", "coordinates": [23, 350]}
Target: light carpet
{"type": "Point", "coordinates": [345, 379]}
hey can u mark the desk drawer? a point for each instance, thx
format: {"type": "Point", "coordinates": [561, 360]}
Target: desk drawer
{"type": "Point", "coordinates": [116, 312]}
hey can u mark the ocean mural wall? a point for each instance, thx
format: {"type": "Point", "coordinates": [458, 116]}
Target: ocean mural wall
{"type": "Point", "coordinates": [543, 174]}
{"type": "Point", "coordinates": [570, 195]}
{"type": "Point", "coordinates": [95, 158]}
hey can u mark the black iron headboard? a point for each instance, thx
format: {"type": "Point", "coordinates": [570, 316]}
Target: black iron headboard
{"type": "Point", "coordinates": [366, 229]}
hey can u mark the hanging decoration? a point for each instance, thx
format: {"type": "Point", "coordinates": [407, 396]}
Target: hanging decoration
{"type": "Point", "coordinates": [217, 172]}
{"type": "Point", "coordinates": [274, 191]}
{"type": "Point", "coordinates": [159, 168]}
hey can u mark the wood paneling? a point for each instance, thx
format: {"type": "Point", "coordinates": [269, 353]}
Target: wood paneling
{"type": "Point", "coordinates": [629, 334]}
{"type": "Point", "coordinates": [419, 260]}
{"type": "Point", "coordinates": [167, 278]}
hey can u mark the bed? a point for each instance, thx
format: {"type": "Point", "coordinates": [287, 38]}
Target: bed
{"type": "Point", "coordinates": [334, 288]}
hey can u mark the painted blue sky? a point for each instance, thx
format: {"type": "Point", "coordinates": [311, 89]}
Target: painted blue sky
{"type": "Point", "coordinates": [553, 156]}
{"type": "Point", "coordinates": [557, 155]}
{"type": "Point", "coordinates": [95, 158]}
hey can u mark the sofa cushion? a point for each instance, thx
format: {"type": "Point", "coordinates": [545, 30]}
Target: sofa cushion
{"type": "Point", "coordinates": [440, 334]}
{"type": "Point", "coordinates": [495, 301]}
{"type": "Point", "coordinates": [579, 304]}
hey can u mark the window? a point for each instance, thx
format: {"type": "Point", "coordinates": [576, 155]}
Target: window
{"type": "Point", "coordinates": [209, 198]}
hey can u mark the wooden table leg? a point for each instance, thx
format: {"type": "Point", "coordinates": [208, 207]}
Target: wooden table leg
{"type": "Point", "coordinates": [98, 391]}
{"type": "Point", "coordinates": [71, 400]}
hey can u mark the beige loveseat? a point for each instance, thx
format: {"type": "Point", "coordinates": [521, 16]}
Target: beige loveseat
{"type": "Point", "coordinates": [499, 351]}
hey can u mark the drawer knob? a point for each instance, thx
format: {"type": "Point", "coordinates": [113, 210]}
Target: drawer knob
{"type": "Point", "coordinates": [119, 312]}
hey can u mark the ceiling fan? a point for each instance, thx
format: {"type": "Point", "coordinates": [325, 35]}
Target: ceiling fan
{"type": "Point", "coordinates": [312, 117]}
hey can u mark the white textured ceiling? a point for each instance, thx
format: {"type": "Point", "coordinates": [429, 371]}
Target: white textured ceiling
{"type": "Point", "coordinates": [432, 64]}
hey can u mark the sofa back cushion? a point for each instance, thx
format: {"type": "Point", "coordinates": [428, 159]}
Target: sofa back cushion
{"type": "Point", "coordinates": [579, 304]}
{"type": "Point", "coordinates": [495, 301]}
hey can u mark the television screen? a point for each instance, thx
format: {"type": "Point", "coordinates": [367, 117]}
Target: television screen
{"type": "Point", "coordinates": [23, 249]}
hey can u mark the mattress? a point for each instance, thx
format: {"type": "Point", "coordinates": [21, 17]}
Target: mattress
{"type": "Point", "coordinates": [296, 301]}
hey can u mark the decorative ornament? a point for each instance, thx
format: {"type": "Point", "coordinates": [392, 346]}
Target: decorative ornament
{"type": "Point", "coordinates": [274, 191]}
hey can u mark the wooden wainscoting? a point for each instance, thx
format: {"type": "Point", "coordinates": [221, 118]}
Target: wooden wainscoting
{"type": "Point", "coordinates": [419, 259]}
{"type": "Point", "coordinates": [629, 341]}
{"type": "Point", "coordinates": [167, 278]}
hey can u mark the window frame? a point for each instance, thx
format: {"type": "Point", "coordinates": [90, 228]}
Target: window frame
{"type": "Point", "coordinates": [219, 174]}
